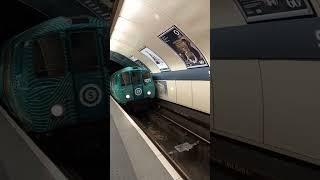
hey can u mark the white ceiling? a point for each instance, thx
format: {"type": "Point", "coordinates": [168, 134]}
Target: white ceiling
{"type": "Point", "coordinates": [141, 21]}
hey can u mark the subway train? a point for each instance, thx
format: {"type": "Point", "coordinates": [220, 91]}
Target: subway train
{"type": "Point", "coordinates": [132, 84]}
{"type": "Point", "coordinates": [54, 75]}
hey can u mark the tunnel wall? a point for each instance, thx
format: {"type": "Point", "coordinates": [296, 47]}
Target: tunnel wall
{"type": "Point", "coordinates": [190, 88]}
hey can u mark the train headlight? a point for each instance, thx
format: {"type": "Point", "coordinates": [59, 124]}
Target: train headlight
{"type": "Point", "coordinates": [149, 93]}
{"type": "Point", "coordinates": [57, 110]}
{"type": "Point", "coordinates": [128, 96]}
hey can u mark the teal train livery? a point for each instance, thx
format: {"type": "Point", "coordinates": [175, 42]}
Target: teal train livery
{"type": "Point", "coordinates": [132, 84]}
{"type": "Point", "coordinates": [55, 74]}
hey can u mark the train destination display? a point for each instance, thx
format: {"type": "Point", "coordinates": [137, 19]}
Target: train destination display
{"type": "Point", "coordinates": [261, 10]}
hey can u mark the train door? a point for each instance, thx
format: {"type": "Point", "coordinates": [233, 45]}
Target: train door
{"type": "Point", "coordinates": [137, 84]}
{"type": "Point", "coordinates": [88, 76]}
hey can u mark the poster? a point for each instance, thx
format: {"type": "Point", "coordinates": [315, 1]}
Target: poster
{"type": "Point", "coordinates": [162, 88]}
{"type": "Point", "coordinates": [137, 61]}
{"type": "Point", "coordinates": [155, 59]}
{"type": "Point", "coordinates": [261, 10]}
{"type": "Point", "coordinates": [142, 64]}
{"type": "Point", "coordinates": [183, 47]}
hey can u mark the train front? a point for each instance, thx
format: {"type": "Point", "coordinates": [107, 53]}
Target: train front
{"type": "Point", "coordinates": [63, 80]}
{"type": "Point", "coordinates": [132, 85]}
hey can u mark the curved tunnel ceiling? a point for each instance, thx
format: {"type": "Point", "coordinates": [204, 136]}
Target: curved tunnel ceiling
{"type": "Point", "coordinates": [121, 59]}
{"type": "Point", "coordinates": [140, 22]}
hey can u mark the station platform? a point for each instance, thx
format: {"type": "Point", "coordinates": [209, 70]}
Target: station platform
{"type": "Point", "coordinates": [133, 155]}
{"type": "Point", "coordinates": [20, 157]}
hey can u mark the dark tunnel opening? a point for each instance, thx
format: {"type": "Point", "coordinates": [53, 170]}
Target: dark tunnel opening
{"type": "Point", "coordinates": [114, 66]}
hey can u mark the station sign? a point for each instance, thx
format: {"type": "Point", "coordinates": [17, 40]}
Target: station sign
{"type": "Point", "coordinates": [262, 10]}
{"type": "Point", "coordinates": [162, 88]}
{"type": "Point", "coordinates": [155, 59]}
{"type": "Point", "coordinates": [183, 47]}
{"type": "Point", "coordinates": [137, 61]}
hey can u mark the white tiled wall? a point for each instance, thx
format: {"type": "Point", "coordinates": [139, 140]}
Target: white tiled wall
{"type": "Point", "coordinates": [192, 94]}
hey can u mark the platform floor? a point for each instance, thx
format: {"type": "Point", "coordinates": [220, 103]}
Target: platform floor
{"type": "Point", "coordinates": [20, 158]}
{"type": "Point", "coordinates": [133, 156]}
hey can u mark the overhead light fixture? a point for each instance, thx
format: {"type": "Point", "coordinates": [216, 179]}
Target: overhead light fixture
{"type": "Point", "coordinates": [122, 25]}
{"type": "Point", "coordinates": [114, 45]}
{"type": "Point", "coordinates": [116, 35]}
{"type": "Point", "coordinates": [130, 8]}
{"type": "Point", "coordinates": [156, 16]}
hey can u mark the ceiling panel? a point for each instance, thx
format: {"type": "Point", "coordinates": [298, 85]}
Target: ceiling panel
{"type": "Point", "coordinates": [114, 45]}
{"type": "Point", "coordinates": [192, 17]}
{"type": "Point", "coordinates": [121, 50]}
{"type": "Point", "coordinates": [141, 21]}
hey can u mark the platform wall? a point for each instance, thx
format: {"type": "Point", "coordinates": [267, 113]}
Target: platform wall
{"type": "Point", "coordinates": [193, 94]}
{"type": "Point", "coordinates": [274, 103]}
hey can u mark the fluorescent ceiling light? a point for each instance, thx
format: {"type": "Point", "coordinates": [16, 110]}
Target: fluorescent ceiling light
{"type": "Point", "coordinates": [156, 16]}
{"type": "Point", "coordinates": [121, 43]}
{"type": "Point", "coordinates": [122, 25]}
{"type": "Point", "coordinates": [116, 35]}
{"type": "Point", "coordinates": [130, 8]}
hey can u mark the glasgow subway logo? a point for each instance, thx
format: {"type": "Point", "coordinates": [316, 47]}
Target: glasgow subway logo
{"type": "Point", "coordinates": [90, 95]}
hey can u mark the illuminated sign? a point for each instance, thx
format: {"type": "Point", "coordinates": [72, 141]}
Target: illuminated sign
{"type": "Point", "coordinates": [261, 10]}
{"type": "Point", "coordinates": [155, 59]}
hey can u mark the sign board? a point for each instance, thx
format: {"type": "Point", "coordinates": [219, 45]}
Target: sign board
{"type": "Point", "coordinates": [261, 10]}
{"type": "Point", "coordinates": [155, 59]}
{"type": "Point", "coordinates": [162, 88]}
{"type": "Point", "coordinates": [183, 47]}
{"type": "Point", "coordinates": [142, 64]}
{"type": "Point", "coordinates": [137, 61]}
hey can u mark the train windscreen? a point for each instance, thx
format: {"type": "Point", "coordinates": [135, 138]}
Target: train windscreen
{"type": "Point", "coordinates": [125, 79]}
{"type": "Point", "coordinates": [84, 51]}
{"type": "Point", "coordinates": [48, 56]}
{"type": "Point", "coordinates": [146, 77]}
{"type": "Point", "coordinates": [136, 77]}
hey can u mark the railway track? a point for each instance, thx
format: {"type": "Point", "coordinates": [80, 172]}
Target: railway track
{"type": "Point", "coordinates": [187, 149]}
{"type": "Point", "coordinates": [80, 152]}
